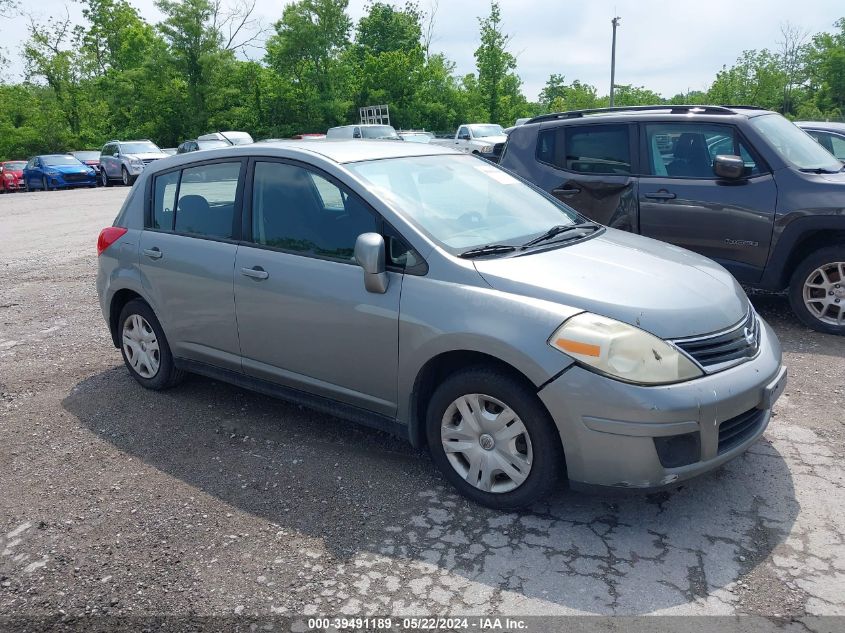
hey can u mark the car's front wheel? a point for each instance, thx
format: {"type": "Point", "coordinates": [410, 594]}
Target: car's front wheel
{"type": "Point", "coordinates": [126, 177]}
{"type": "Point", "coordinates": [817, 290]}
{"type": "Point", "coordinates": [104, 178]}
{"type": "Point", "coordinates": [144, 347]}
{"type": "Point", "coordinates": [493, 440]}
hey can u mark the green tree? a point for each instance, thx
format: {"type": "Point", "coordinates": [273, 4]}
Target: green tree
{"type": "Point", "coordinates": [497, 82]}
{"type": "Point", "coordinates": [825, 67]}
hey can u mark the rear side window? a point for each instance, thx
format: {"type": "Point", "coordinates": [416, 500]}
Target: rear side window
{"type": "Point", "coordinates": [198, 200]}
{"type": "Point", "coordinates": [687, 150]}
{"type": "Point", "coordinates": [298, 210]}
{"type": "Point", "coordinates": [586, 149]}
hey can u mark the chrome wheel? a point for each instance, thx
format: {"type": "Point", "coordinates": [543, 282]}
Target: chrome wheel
{"type": "Point", "coordinates": [104, 177]}
{"type": "Point", "coordinates": [824, 293]}
{"type": "Point", "coordinates": [141, 346]}
{"type": "Point", "coordinates": [486, 443]}
{"type": "Point", "coordinates": [125, 176]}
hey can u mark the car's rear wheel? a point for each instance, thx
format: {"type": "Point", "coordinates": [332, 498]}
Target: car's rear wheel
{"type": "Point", "coordinates": [817, 290]}
{"type": "Point", "coordinates": [144, 347]}
{"type": "Point", "coordinates": [492, 439]}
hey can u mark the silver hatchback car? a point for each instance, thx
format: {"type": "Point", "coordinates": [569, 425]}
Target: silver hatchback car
{"type": "Point", "coordinates": [434, 295]}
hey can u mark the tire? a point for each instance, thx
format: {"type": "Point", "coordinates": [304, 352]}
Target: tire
{"type": "Point", "coordinates": [126, 178]}
{"type": "Point", "coordinates": [45, 186]}
{"type": "Point", "coordinates": [538, 447]}
{"type": "Point", "coordinates": [817, 290]}
{"type": "Point", "coordinates": [104, 178]}
{"type": "Point", "coordinates": [139, 327]}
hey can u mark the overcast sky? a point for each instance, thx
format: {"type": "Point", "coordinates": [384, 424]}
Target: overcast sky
{"type": "Point", "coordinates": [669, 46]}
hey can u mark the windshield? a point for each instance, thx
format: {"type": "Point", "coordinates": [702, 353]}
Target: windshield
{"type": "Point", "coordinates": [87, 155]}
{"type": "Point", "coordinates": [480, 131]}
{"type": "Point", "coordinates": [794, 145]}
{"type": "Point", "coordinates": [140, 147]}
{"type": "Point", "coordinates": [462, 201]}
{"type": "Point", "coordinates": [378, 131]}
{"type": "Point", "coordinates": [14, 165]}
{"type": "Point", "coordinates": [416, 138]}
{"type": "Point", "coordinates": [60, 160]}
{"type": "Point", "coordinates": [212, 144]}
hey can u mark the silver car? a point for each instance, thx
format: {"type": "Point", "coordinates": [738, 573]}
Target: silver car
{"type": "Point", "coordinates": [435, 296]}
{"type": "Point", "coordinates": [125, 160]}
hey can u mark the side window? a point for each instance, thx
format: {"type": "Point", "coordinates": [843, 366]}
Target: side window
{"type": "Point", "coordinates": [838, 144]}
{"type": "Point", "coordinates": [164, 200]}
{"type": "Point", "coordinates": [687, 150]}
{"type": "Point", "coordinates": [587, 149]}
{"type": "Point", "coordinates": [298, 210]}
{"type": "Point", "coordinates": [207, 196]}
{"type": "Point", "coordinates": [463, 132]}
{"type": "Point", "coordinates": [400, 254]}
{"type": "Point", "coordinates": [824, 139]}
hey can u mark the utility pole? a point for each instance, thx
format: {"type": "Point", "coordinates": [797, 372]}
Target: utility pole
{"type": "Point", "coordinates": [615, 23]}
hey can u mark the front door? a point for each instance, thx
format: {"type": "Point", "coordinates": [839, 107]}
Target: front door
{"type": "Point", "coordinates": [187, 259]}
{"type": "Point", "coordinates": [304, 317]}
{"type": "Point", "coordinates": [683, 202]}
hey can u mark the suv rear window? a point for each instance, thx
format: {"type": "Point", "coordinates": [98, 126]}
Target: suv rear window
{"type": "Point", "coordinates": [587, 149]}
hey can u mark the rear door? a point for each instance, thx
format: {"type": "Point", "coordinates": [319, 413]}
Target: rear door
{"type": "Point", "coordinates": [304, 316]}
{"type": "Point", "coordinates": [591, 168]}
{"type": "Point", "coordinates": [683, 202]}
{"type": "Point", "coordinates": [187, 258]}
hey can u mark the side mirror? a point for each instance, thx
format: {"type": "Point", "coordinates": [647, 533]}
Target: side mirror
{"type": "Point", "coordinates": [729, 167]}
{"type": "Point", "coordinates": [369, 253]}
{"type": "Point", "coordinates": [116, 154]}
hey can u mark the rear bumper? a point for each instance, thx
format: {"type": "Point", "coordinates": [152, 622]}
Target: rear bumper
{"type": "Point", "coordinates": [626, 436]}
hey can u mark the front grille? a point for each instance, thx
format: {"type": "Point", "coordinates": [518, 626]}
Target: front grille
{"type": "Point", "coordinates": [75, 177]}
{"type": "Point", "coordinates": [735, 431]}
{"type": "Point", "coordinates": [147, 161]}
{"type": "Point", "coordinates": [715, 352]}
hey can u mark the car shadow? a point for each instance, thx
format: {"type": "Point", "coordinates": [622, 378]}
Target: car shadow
{"type": "Point", "coordinates": [378, 505]}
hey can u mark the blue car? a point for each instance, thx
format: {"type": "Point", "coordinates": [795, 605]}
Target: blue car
{"type": "Point", "coordinates": [57, 171]}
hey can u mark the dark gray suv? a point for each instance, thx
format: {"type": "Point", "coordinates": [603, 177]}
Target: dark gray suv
{"type": "Point", "coordinates": [740, 185]}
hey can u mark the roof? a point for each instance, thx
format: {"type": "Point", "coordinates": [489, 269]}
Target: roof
{"type": "Point", "coordinates": [349, 150]}
{"type": "Point", "coordinates": [831, 126]}
{"type": "Point", "coordinates": [625, 112]}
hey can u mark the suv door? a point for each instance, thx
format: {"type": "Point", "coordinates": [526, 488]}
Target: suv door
{"type": "Point", "coordinates": [187, 257]}
{"type": "Point", "coordinates": [107, 159]}
{"type": "Point", "coordinates": [304, 317]}
{"type": "Point", "coordinates": [590, 168]}
{"type": "Point", "coordinates": [683, 202]}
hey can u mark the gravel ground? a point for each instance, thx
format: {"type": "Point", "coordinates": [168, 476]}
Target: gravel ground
{"type": "Point", "coordinates": [211, 500]}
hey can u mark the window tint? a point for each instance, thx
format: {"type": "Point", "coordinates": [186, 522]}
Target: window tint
{"type": "Point", "coordinates": [833, 143]}
{"type": "Point", "coordinates": [164, 200]}
{"type": "Point", "coordinates": [207, 200]}
{"type": "Point", "coordinates": [687, 150]}
{"type": "Point", "coordinates": [298, 210]}
{"type": "Point", "coordinates": [589, 149]}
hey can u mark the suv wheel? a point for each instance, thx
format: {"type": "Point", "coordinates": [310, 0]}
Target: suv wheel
{"type": "Point", "coordinates": [104, 177]}
{"type": "Point", "coordinates": [493, 439]}
{"type": "Point", "coordinates": [127, 179]}
{"type": "Point", "coordinates": [144, 347]}
{"type": "Point", "coordinates": [817, 290]}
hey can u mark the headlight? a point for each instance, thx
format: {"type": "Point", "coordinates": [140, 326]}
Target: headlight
{"type": "Point", "coordinates": [8, 176]}
{"type": "Point", "coordinates": [622, 351]}
{"type": "Point", "coordinates": [136, 162]}
{"type": "Point", "coordinates": [51, 172]}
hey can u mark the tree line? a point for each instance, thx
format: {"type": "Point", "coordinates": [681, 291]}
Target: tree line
{"type": "Point", "coordinates": [116, 75]}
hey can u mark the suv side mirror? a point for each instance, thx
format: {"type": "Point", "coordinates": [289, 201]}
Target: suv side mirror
{"type": "Point", "coordinates": [729, 167]}
{"type": "Point", "coordinates": [116, 154]}
{"type": "Point", "coordinates": [369, 253]}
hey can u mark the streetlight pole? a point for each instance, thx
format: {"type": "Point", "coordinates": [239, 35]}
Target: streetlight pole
{"type": "Point", "coordinates": [615, 23]}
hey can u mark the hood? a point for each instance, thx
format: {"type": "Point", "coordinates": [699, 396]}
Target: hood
{"type": "Point", "coordinates": [499, 138]}
{"type": "Point", "coordinates": [147, 156]}
{"type": "Point", "coordinates": [663, 289]}
{"type": "Point", "coordinates": [69, 169]}
{"type": "Point", "coordinates": [15, 172]}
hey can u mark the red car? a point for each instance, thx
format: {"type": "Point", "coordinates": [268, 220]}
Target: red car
{"type": "Point", "coordinates": [11, 176]}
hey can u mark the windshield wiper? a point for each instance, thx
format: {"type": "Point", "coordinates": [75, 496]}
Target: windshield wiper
{"type": "Point", "coordinates": [488, 249]}
{"type": "Point", "coordinates": [558, 230]}
{"type": "Point", "coordinates": [819, 170]}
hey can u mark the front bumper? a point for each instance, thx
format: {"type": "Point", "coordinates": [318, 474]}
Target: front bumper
{"type": "Point", "coordinates": [12, 185]}
{"type": "Point", "coordinates": [135, 170]}
{"type": "Point", "coordinates": [66, 182]}
{"type": "Point", "coordinates": [608, 428]}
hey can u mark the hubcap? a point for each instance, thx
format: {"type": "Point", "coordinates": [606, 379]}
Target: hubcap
{"type": "Point", "coordinates": [486, 443]}
{"type": "Point", "coordinates": [141, 346]}
{"type": "Point", "coordinates": [824, 293]}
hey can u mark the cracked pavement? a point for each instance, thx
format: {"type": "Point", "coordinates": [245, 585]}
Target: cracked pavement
{"type": "Point", "coordinates": [208, 499]}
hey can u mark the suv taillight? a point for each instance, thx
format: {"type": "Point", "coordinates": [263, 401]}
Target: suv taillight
{"type": "Point", "coordinates": [109, 236]}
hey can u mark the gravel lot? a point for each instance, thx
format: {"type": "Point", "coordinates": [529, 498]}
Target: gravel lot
{"type": "Point", "coordinates": [211, 500]}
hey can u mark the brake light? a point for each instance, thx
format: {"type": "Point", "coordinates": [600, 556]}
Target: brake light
{"type": "Point", "coordinates": [109, 236]}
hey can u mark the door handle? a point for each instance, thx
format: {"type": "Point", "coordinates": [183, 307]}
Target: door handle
{"type": "Point", "coordinates": [153, 253]}
{"type": "Point", "coordinates": [566, 191]}
{"type": "Point", "coordinates": [660, 195]}
{"type": "Point", "coordinates": [256, 272]}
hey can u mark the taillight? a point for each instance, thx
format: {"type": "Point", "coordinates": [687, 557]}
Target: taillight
{"type": "Point", "coordinates": [109, 236]}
